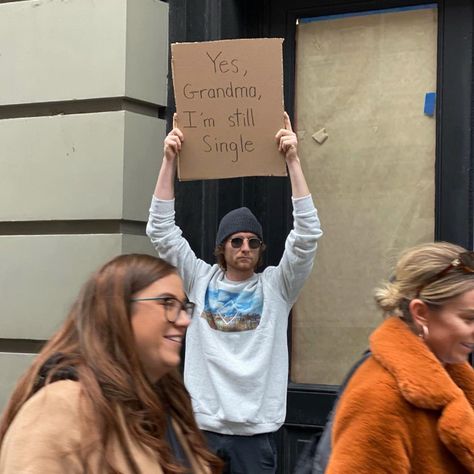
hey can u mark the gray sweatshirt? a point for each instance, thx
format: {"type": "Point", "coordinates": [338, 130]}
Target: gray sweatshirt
{"type": "Point", "coordinates": [236, 364]}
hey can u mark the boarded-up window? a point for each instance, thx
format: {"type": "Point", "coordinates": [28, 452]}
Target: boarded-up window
{"type": "Point", "coordinates": [365, 81]}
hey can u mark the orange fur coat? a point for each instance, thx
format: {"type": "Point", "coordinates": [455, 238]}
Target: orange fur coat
{"type": "Point", "coordinates": [403, 412]}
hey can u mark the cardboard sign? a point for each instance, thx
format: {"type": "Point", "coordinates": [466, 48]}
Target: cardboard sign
{"type": "Point", "coordinates": [229, 101]}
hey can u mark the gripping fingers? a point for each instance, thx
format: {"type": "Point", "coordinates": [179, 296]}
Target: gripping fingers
{"type": "Point", "coordinates": [287, 141]}
{"type": "Point", "coordinates": [173, 141]}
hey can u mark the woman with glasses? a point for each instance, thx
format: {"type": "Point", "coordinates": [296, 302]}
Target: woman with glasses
{"type": "Point", "coordinates": [409, 407]}
{"type": "Point", "coordinates": [104, 395]}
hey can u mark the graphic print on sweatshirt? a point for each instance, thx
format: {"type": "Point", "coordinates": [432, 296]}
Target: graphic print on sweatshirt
{"type": "Point", "coordinates": [232, 311]}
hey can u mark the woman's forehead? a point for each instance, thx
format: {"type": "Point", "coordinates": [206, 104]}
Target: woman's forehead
{"type": "Point", "coordinates": [171, 285]}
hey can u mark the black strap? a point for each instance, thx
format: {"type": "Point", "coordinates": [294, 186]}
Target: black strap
{"type": "Point", "coordinates": [349, 375]}
{"type": "Point", "coordinates": [65, 373]}
{"type": "Point", "coordinates": [176, 446]}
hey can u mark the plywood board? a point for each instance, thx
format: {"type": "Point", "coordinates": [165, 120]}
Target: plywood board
{"type": "Point", "coordinates": [363, 79]}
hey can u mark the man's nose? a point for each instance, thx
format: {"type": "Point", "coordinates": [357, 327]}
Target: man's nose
{"type": "Point", "coordinates": [245, 245]}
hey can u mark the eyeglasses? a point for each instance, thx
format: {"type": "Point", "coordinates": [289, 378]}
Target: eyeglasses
{"type": "Point", "coordinates": [464, 261]}
{"type": "Point", "coordinates": [173, 306]}
{"type": "Point", "coordinates": [254, 243]}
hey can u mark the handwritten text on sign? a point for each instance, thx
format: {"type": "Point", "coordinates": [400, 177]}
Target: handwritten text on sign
{"type": "Point", "coordinates": [230, 106]}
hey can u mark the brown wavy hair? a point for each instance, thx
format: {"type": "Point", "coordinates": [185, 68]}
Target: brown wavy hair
{"type": "Point", "coordinates": [96, 342]}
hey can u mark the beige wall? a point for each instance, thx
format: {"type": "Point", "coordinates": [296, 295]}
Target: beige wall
{"type": "Point", "coordinates": [71, 182]}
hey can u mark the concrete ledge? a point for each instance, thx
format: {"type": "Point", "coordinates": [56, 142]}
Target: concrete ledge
{"type": "Point", "coordinates": [84, 166]}
{"type": "Point", "coordinates": [12, 367]}
{"type": "Point", "coordinates": [55, 50]}
{"type": "Point", "coordinates": [42, 275]}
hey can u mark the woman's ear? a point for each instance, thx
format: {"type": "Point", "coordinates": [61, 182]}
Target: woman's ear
{"type": "Point", "coordinates": [419, 311]}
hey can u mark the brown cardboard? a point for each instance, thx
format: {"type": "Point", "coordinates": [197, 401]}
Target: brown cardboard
{"type": "Point", "coordinates": [229, 101]}
{"type": "Point", "coordinates": [363, 79]}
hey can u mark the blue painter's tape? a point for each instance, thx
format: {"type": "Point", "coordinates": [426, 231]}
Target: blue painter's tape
{"type": "Point", "coordinates": [430, 6]}
{"type": "Point", "coordinates": [430, 103]}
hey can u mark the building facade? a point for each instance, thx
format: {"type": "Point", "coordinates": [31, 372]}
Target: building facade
{"type": "Point", "coordinates": [83, 90]}
{"type": "Point", "coordinates": [84, 106]}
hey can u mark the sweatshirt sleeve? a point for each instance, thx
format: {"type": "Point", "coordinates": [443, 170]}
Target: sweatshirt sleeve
{"type": "Point", "coordinates": [170, 244]}
{"type": "Point", "coordinates": [300, 248]}
{"type": "Point", "coordinates": [44, 437]}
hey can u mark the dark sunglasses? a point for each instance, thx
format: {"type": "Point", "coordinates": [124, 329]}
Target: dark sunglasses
{"type": "Point", "coordinates": [237, 242]}
{"type": "Point", "coordinates": [464, 262]}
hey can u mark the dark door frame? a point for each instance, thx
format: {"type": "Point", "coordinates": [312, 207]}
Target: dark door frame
{"type": "Point", "coordinates": [199, 20]}
{"type": "Point", "coordinates": [200, 204]}
{"type": "Point", "coordinates": [308, 405]}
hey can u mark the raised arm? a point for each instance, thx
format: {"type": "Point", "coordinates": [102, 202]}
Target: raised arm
{"type": "Point", "coordinates": [162, 230]}
{"type": "Point", "coordinates": [296, 263]}
{"type": "Point", "coordinates": [288, 144]}
{"type": "Point", "coordinates": [165, 183]}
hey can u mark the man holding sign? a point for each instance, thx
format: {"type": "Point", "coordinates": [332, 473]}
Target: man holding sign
{"type": "Point", "coordinates": [236, 364]}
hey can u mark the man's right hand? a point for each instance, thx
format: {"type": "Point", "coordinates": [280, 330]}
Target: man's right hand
{"type": "Point", "coordinates": [173, 142]}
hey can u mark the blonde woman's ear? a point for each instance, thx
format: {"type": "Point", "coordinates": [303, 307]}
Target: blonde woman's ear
{"type": "Point", "coordinates": [420, 312]}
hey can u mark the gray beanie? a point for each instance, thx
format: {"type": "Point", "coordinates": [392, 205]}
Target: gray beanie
{"type": "Point", "coordinates": [238, 220]}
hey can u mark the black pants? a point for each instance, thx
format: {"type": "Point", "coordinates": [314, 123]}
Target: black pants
{"type": "Point", "coordinates": [245, 454]}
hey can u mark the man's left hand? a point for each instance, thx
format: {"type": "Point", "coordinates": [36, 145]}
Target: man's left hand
{"type": "Point", "coordinates": [287, 141]}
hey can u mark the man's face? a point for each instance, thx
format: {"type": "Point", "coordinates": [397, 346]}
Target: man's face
{"type": "Point", "coordinates": [241, 260]}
